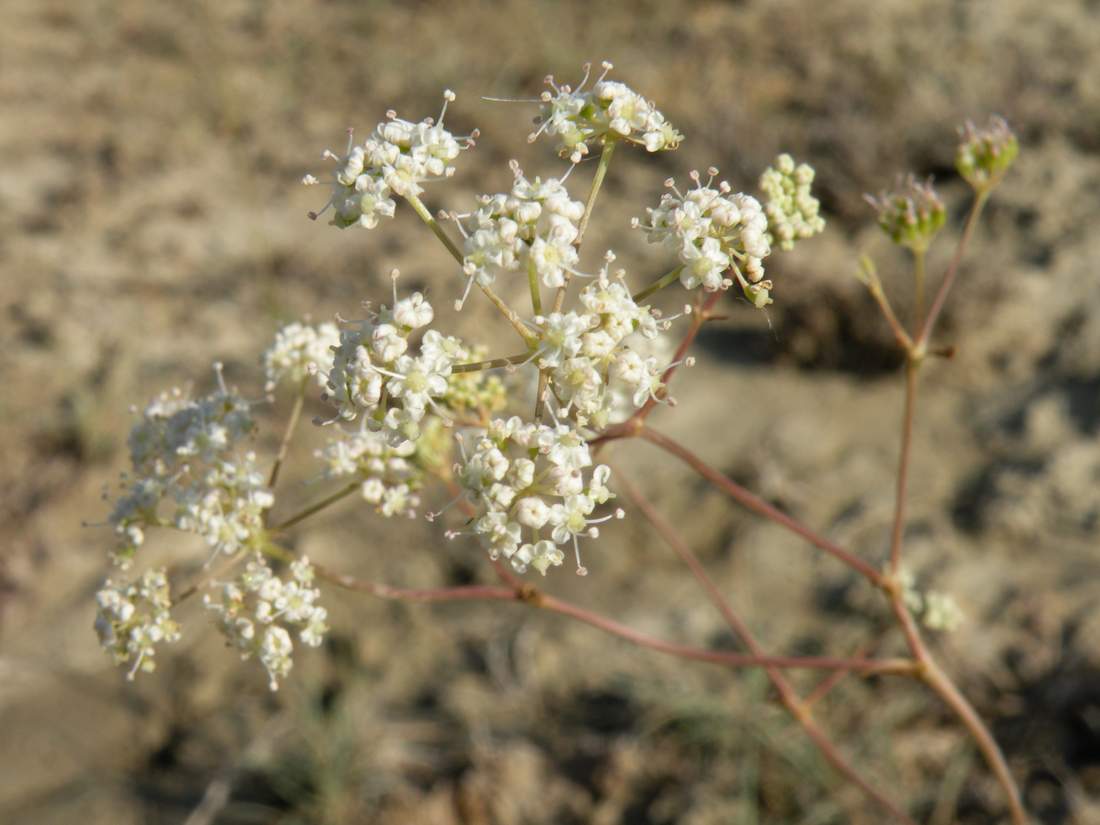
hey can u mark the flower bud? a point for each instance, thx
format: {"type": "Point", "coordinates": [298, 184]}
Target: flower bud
{"type": "Point", "coordinates": [912, 214]}
{"type": "Point", "coordinates": [984, 155]}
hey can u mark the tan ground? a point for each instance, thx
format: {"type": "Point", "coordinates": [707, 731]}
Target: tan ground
{"type": "Point", "coordinates": [150, 222]}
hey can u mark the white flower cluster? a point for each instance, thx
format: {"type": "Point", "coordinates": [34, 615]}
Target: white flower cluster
{"type": "Point", "coordinates": [937, 611]}
{"type": "Point", "coordinates": [374, 375]}
{"type": "Point", "coordinates": [258, 610]}
{"type": "Point", "coordinates": [390, 474]}
{"type": "Point", "coordinates": [610, 110]}
{"type": "Point", "coordinates": [590, 356]}
{"type": "Point", "coordinates": [530, 229]}
{"type": "Point", "coordinates": [186, 450]}
{"type": "Point", "coordinates": [296, 352]}
{"type": "Point", "coordinates": [528, 484]}
{"type": "Point", "coordinates": [713, 231]}
{"type": "Point", "coordinates": [131, 619]}
{"type": "Point", "coordinates": [397, 157]}
{"type": "Point", "coordinates": [792, 211]}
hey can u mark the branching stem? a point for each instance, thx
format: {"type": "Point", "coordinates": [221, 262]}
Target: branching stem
{"type": "Point", "coordinates": [787, 695]}
{"type": "Point", "coordinates": [952, 269]}
{"type": "Point", "coordinates": [753, 502]}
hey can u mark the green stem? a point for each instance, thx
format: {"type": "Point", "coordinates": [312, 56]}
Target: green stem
{"type": "Point", "coordinates": [421, 210]}
{"type": "Point", "coordinates": [492, 363]}
{"type": "Point", "coordinates": [919, 255]}
{"type": "Point", "coordinates": [426, 216]}
{"type": "Point", "coordinates": [559, 298]}
{"type": "Point", "coordinates": [302, 515]}
{"type": "Point", "coordinates": [533, 284]}
{"type": "Point", "coordinates": [597, 182]}
{"type": "Point", "coordinates": [952, 270]}
{"type": "Point", "coordinates": [659, 284]}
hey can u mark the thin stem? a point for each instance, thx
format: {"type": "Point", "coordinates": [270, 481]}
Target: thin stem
{"type": "Point", "coordinates": [666, 279]}
{"type": "Point", "coordinates": [826, 685]}
{"type": "Point", "coordinates": [920, 253]}
{"type": "Point", "coordinates": [559, 298]}
{"type": "Point", "coordinates": [718, 657]}
{"type": "Point", "coordinates": [633, 425]}
{"type": "Point", "coordinates": [945, 688]}
{"type": "Point", "coordinates": [531, 596]}
{"type": "Point", "coordinates": [492, 363]}
{"type": "Point", "coordinates": [841, 765]}
{"type": "Point", "coordinates": [753, 502]}
{"type": "Point", "coordinates": [503, 573]}
{"type": "Point", "coordinates": [798, 709]}
{"type": "Point", "coordinates": [953, 269]}
{"type": "Point", "coordinates": [288, 433]}
{"type": "Point", "coordinates": [533, 286]}
{"type": "Point", "coordinates": [912, 367]}
{"type": "Point", "coordinates": [426, 216]}
{"type": "Point", "coordinates": [900, 335]}
{"type": "Point", "coordinates": [597, 182]}
{"type": "Point", "coordinates": [505, 310]}
{"type": "Point", "coordinates": [302, 515]}
{"type": "Point", "coordinates": [202, 581]}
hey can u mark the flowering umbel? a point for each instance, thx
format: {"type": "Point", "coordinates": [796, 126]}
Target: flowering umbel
{"type": "Point", "coordinates": [714, 232]}
{"type": "Point", "coordinates": [397, 157]}
{"type": "Point", "coordinates": [410, 406]}
{"type": "Point", "coordinates": [608, 111]}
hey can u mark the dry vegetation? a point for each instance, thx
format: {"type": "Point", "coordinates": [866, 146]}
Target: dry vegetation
{"type": "Point", "coordinates": [150, 221]}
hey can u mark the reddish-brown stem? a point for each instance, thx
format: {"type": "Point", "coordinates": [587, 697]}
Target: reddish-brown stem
{"type": "Point", "coordinates": [796, 707]}
{"type": "Point", "coordinates": [946, 690]}
{"type": "Point", "coordinates": [699, 317]}
{"type": "Point", "coordinates": [912, 368]}
{"type": "Point", "coordinates": [753, 502]}
{"type": "Point", "coordinates": [825, 686]}
{"type": "Point", "coordinates": [529, 595]}
{"type": "Point", "coordinates": [633, 425]}
{"type": "Point", "coordinates": [952, 270]}
{"type": "Point", "coordinates": [928, 670]}
{"type": "Point", "coordinates": [841, 766]}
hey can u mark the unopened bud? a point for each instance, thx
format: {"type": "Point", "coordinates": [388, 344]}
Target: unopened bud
{"type": "Point", "coordinates": [984, 155]}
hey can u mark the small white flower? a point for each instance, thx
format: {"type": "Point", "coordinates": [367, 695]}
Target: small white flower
{"type": "Point", "coordinates": [413, 312]}
{"type": "Point", "coordinates": [297, 351]}
{"type": "Point", "coordinates": [258, 610]}
{"type": "Point", "coordinates": [396, 158]}
{"type": "Point", "coordinates": [131, 619]}
{"type": "Point", "coordinates": [714, 232]}
{"type": "Point", "coordinates": [517, 496]}
{"type": "Point", "coordinates": [609, 110]}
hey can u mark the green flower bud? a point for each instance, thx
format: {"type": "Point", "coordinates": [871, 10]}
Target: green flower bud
{"type": "Point", "coordinates": [911, 215]}
{"type": "Point", "coordinates": [984, 155]}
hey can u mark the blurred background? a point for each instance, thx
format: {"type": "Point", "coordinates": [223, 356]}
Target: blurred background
{"type": "Point", "coordinates": [151, 222]}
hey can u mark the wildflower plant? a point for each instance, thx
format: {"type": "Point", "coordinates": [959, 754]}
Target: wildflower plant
{"type": "Point", "coordinates": [412, 409]}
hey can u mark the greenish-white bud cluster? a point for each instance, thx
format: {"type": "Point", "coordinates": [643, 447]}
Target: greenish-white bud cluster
{"type": "Point", "coordinates": [793, 212]}
{"type": "Point", "coordinates": [911, 214]}
{"type": "Point", "coordinates": [984, 155]}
